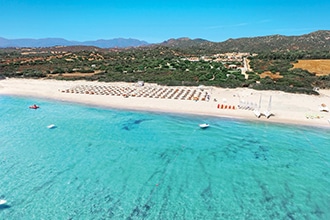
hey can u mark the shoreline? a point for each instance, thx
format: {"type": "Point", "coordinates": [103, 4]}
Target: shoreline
{"type": "Point", "coordinates": [296, 109]}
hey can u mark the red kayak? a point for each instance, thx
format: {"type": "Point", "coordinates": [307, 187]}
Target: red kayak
{"type": "Point", "coordinates": [34, 106]}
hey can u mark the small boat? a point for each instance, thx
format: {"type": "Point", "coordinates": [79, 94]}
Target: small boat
{"type": "Point", "coordinates": [2, 201]}
{"type": "Point", "coordinates": [51, 126]}
{"type": "Point", "coordinates": [268, 113]}
{"type": "Point", "coordinates": [34, 106]}
{"type": "Point", "coordinates": [257, 112]}
{"type": "Point", "coordinates": [204, 125]}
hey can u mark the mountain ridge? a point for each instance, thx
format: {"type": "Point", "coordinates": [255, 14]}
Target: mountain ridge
{"type": "Point", "coordinates": [318, 40]}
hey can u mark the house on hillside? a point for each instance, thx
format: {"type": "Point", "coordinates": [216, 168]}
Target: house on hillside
{"type": "Point", "coordinates": [232, 66]}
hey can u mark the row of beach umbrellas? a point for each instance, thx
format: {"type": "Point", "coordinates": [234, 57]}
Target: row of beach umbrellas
{"type": "Point", "coordinates": [182, 93]}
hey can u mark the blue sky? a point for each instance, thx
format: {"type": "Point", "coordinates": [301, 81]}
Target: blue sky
{"type": "Point", "coordinates": [158, 20]}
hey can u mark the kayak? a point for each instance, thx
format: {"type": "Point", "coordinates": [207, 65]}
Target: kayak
{"type": "Point", "coordinates": [34, 107]}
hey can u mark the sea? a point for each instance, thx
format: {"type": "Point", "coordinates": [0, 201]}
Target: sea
{"type": "Point", "coordinates": [101, 163]}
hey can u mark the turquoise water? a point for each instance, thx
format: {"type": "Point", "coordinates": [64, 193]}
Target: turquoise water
{"type": "Point", "coordinates": [111, 164]}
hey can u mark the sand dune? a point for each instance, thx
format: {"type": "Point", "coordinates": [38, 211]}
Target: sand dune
{"type": "Point", "coordinates": [211, 101]}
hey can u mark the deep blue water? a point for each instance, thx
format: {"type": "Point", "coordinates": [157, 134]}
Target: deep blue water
{"type": "Point", "coordinates": [113, 164]}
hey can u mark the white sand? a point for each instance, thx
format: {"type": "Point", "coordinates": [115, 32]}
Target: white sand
{"type": "Point", "coordinates": [288, 108]}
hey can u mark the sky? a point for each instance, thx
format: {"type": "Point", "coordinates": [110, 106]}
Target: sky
{"type": "Point", "coordinates": [159, 20]}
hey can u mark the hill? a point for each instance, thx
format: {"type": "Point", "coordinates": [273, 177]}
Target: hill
{"type": "Point", "coordinates": [319, 40]}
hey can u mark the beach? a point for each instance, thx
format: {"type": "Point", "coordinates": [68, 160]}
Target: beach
{"type": "Point", "coordinates": [238, 103]}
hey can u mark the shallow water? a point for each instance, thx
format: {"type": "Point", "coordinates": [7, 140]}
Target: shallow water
{"type": "Point", "coordinates": [102, 164]}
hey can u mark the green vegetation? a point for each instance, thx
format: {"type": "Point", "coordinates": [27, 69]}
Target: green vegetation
{"type": "Point", "coordinates": [163, 65]}
{"type": "Point", "coordinates": [294, 80]}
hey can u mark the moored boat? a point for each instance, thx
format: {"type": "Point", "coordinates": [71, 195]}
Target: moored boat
{"type": "Point", "coordinates": [51, 126]}
{"type": "Point", "coordinates": [204, 125]}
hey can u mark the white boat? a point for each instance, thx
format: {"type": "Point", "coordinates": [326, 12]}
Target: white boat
{"type": "Point", "coordinates": [257, 112]}
{"type": "Point", "coordinates": [51, 126]}
{"type": "Point", "coordinates": [204, 125]}
{"type": "Point", "coordinates": [268, 113]}
{"type": "Point", "coordinates": [2, 201]}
